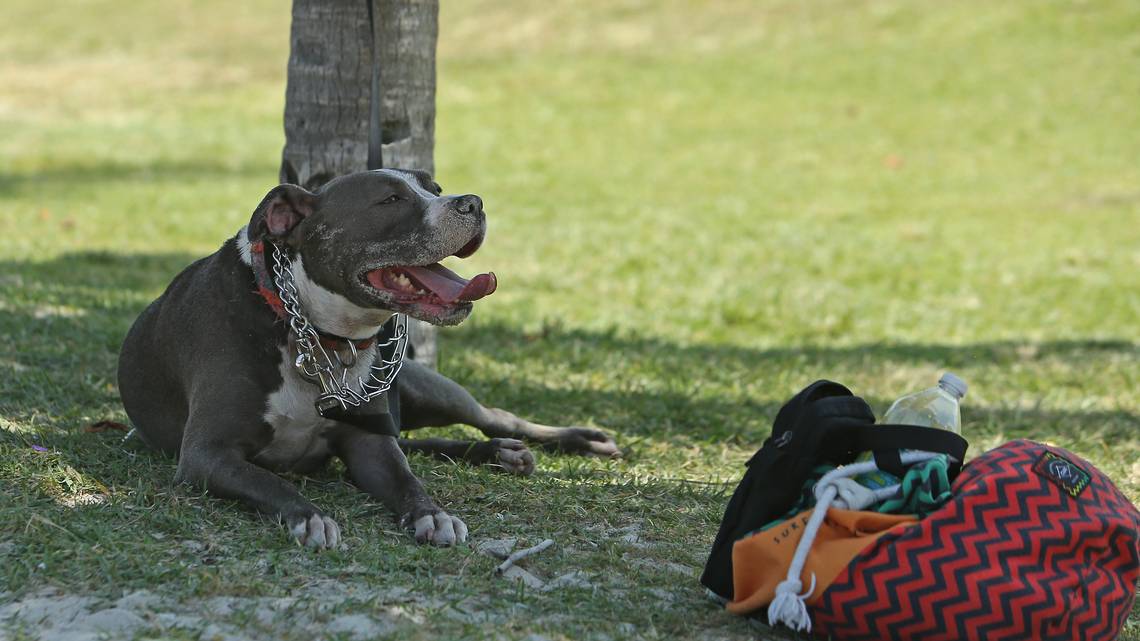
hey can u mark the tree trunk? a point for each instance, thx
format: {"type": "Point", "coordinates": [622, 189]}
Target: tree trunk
{"type": "Point", "coordinates": [328, 96]}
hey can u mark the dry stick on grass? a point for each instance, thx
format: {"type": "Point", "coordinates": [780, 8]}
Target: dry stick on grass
{"type": "Point", "coordinates": [522, 554]}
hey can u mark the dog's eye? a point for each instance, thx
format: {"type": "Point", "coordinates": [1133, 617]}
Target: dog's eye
{"type": "Point", "coordinates": [390, 199]}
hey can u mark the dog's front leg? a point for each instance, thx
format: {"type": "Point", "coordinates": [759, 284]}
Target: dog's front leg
{"type": "Point", "coordinates": [226, 473]}
{"type": "Point", "coordinates": [377, 465]}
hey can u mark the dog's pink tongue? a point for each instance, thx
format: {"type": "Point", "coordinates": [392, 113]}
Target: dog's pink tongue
{"type": "Point", "coordinates": [450, 286]}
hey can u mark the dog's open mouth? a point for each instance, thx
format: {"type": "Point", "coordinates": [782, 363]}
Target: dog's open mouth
{"type": "Point", "coordinates": [431, 293]}
{"type": "Point", "coordinates": [431, 284]}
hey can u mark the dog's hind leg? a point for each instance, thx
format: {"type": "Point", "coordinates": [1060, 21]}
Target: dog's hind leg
{"type": "Point", "coordinates": [429, 399]}
{"type": "Point", "coordinates": [508, 454]}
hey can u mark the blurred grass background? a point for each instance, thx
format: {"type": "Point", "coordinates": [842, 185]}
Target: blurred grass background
{"type": "Point", "coordinates": [696, 209]}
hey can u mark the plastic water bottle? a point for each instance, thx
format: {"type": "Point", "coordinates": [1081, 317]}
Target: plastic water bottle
{"type": "Point", "coordinates": [934, 407]}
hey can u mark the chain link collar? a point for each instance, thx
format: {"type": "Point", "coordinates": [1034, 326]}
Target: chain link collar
{"type": "Point", "coordinates": [330, 373]}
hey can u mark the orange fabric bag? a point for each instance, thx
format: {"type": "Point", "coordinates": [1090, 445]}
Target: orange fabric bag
{"type": "Point", "coordinates": [760, 561]}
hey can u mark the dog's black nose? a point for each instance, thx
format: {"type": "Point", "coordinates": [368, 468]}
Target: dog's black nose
{"type": "Point", "coordinates": [469, 204]}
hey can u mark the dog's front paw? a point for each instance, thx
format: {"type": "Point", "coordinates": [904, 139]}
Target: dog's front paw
{"type": "Point", "coordinates": [583, 440]}
{"type": "Point", "coordinates": [440, 528]}
{"type": "Point", "coordinates": [513, 456]}
{"type": "Point", "coordinates": [316, 531]}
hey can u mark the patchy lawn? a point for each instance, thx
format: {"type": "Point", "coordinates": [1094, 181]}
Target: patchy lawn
{"type": "Point", "coordinates": [695, 211]}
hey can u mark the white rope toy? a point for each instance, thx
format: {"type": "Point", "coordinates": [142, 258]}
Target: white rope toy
{"type": "Point", "coordinates": [790, 606]}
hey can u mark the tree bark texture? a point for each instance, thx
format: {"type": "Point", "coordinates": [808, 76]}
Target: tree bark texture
{"type": "Point", "coordinates": [328, 96]}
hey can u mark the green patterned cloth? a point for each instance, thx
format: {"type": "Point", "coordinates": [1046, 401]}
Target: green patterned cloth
{"type": "Point", "coordinates": [923, 489]}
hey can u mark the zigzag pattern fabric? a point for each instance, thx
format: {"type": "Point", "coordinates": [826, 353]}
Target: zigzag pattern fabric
{"type": "Point", "coordinates": [1036, 543]}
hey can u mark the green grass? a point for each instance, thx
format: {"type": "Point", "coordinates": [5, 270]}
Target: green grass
{"type": "Point", "coordinates": [695, 211]}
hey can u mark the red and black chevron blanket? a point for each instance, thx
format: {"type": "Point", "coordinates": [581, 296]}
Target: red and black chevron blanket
{"type": "Point", "coordinates": [1036, 543]}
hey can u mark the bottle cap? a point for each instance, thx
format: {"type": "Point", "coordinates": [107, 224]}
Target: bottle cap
{"type": "Point", "coordinates": [953, 384]}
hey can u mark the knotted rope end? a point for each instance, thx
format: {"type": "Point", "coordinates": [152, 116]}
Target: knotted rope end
{"type": "Point", "coordinates": [790, 606]}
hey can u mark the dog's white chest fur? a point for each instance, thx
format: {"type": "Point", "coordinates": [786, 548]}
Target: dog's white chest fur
{"type": "Point", "coordinates": [299, 432]}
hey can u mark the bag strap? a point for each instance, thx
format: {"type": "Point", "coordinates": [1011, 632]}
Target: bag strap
{"type": "Point", "coordinates": [887, 440]}
{"type": "Point", "coordinates": [822, 411]}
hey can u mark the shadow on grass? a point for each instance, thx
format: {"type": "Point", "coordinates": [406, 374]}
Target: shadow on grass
{"type": "Point", "coordinates": [61, 324]}
{"type": "Point", "coordinates": [79, 272]}
{"type": "Point", "coordinates": [494, 339]}
{"type": "Point", "coordinates": [110, 171]}
{"type": "Point", "coordinates": [63, 321]}
{"type": "Point", "coordinates": [698, 413]}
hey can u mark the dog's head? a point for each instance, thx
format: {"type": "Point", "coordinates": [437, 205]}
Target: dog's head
{"type": "Point", "coordinates": [376, 239]}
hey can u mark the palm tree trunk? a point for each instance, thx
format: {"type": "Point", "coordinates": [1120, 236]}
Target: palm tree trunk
{"type": "Point", "coordinates": [328, 96]}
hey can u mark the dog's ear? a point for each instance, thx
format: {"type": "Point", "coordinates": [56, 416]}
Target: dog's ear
{"type": "Point", "coordinates": [282, 209]}
{"type": "Point", "coordinates": [424, 179]}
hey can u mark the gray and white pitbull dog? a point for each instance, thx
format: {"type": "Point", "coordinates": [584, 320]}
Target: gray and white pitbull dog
{"type": "Point", "coordinates": [206, 371]}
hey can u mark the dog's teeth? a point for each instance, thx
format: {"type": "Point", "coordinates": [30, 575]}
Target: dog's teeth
{"type": "Point", "coordinates": [403, 283]}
